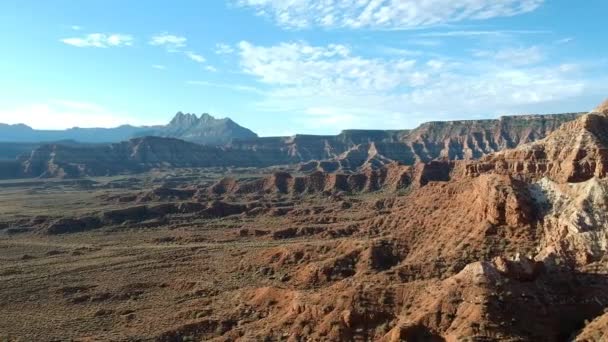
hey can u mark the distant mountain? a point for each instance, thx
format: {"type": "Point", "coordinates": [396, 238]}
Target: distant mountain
{"type": "Point", "coordinates": [203, 130]}
{"type": "Point", "coordinates": [132, 156]}
{"type": "Point", "coordinates": [24, 134]}
{"type": "Point", "coordinates": [11, 150]}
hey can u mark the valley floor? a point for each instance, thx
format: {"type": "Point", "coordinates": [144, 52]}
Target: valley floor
{"type": "Point", "coordinates": [157, 257]}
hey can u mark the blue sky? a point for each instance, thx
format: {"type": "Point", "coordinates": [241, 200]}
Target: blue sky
{"type": "Point", "coordinates": [306, 66]}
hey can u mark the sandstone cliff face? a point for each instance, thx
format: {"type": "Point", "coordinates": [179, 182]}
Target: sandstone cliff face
{"type": "Point", "coordinates": [473, 139]}
{"type": "Point", "coordinates": [576, 152]}
{"type": "Point", "coordinates": [574, 220]}
{"type": "Point", "coordinates": [536, 215]}
{"type": "Point", "coordinates": [556, 186]}
{"type": "Point", "coordinates": [453, 140]}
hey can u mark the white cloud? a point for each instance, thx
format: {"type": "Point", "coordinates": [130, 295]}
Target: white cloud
{"type": "Point", "coordinates": [62, 114]}
{"type": "Point", "coordinates": [171, 42]}
{"type": "Point", "coordinates": [76, 27]}
{"type": "Point", "coordinates": [515, 56]}
{"type": "Point", "coordinates": [565, 40]}
{"type": "Point", "coordinates": [331, 86]}
{"type": "Point", "coordinates": [175, 44]}
{"type": "Point", "coordinates": [389, 50]}
{"type": "Point", "coordinates": [384, 14]}
{"type": "Point", "coordinates": [425, 42]}
{"type": "Point", "coordinates": [223, 49]}
{"type": "Point", "coordinates": [210, 68]}
{"type": "Point", "coordinates": [159, 67]}
{"type": "Point", "coordinates": [195, 57]}
{"type": "Point", "coordinates": [478, 33]}
{"type": "Point", "coordinates": [331, 66]}
{"type": "Point", "coordinates": [100, 40]}
{"type": "Point", "coordinates": [318, 117]}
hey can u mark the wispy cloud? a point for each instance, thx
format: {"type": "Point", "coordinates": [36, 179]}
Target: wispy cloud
{"type": "Point", "coordinates": [210, 68]}
{"type": "Point", "coordinates": [230, 86]}
{"type": "Point", "coordinates": [223, 49]}
{"type": "Point", "coordinates": [298, 63]}
{"type": "Point", "coordinates": [425, 42]}
{"type": "Point", "coordinates": [333, 85]}
{"type": "Point", "coordinates": [565, 40]}
{"type": "Point", "coordinates": [389, 50]}
{"type": "Point", "coordinates": [384, 14]}
{"type": "Point", "coordinates": [178, 44]}
{"type": "Point", "coordinates": [514, 56]}
{"type": "Point", "coordinates": [100, 40]}
{"type": "Point", "coordinates": [159, 67]}
{"type": "Point", "coordinates": [195, 57]}
{"type": "Point", "coordinates": [170, 42]}
{"type": "Point", "coordinates": [478, 33]}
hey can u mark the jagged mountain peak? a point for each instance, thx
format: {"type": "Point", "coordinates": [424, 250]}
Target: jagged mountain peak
{"type": "Point", "coordinates": [205, 129]}
{"type": "Point", "coordinates": [207, 117]}
{"type": "Point", "coordinates": [192, 119]}
{"type": "Point", "coordinates": [181, 118]}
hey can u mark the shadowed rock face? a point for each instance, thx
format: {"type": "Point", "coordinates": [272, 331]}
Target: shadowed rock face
{"type": "Point", "coordinates": [10, 169]}
{"type": "Point", "coordinates": [136, 155]}
{"type": "Point", "coordinates": [391, 178]}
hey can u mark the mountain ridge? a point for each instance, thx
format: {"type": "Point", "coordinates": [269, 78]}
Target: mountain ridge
{"type": "Point", "coordinates": [206, 130]}
{"type": "Point", "coordinates": [350, 151]}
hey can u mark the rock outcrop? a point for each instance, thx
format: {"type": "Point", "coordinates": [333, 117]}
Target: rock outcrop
{"type": "Point", "coordinates": [576, 152]}
{"type": "Point", "coordinates": [602, 108]}
{"type": "Point", "coordinates": [574, 221]}
{"type": "Point", "coordinates": [391, 178]}
{"type": "Point", "coordinates": [553, 190]}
